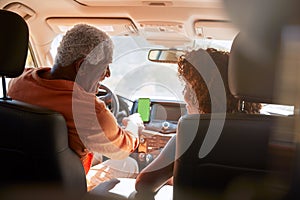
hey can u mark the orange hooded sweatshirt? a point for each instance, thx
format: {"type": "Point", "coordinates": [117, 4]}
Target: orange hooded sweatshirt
{"type": "Point", "coordinates": [91, 126]}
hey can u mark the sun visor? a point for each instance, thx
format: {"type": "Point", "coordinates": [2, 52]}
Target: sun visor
{"type": "Point", "coordinates": [112, 26]}
{"type": "Point", "coordinates": [215, 29]}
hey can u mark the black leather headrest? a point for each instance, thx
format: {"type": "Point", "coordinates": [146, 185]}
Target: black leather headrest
{"type": "Point", "coordinates": [14, 36]}
{"type": "Point", "coordinates": [254, 69]}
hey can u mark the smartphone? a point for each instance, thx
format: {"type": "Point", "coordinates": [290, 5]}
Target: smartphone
{"type": "Point", "coordinates": [144, 109]}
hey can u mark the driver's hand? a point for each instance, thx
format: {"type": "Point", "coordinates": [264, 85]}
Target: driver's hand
{"type": "Point", "coordinates": [133, 123]}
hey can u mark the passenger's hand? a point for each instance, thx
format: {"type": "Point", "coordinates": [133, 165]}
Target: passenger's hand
{"type": "Point", "coordinates": [133, 123]}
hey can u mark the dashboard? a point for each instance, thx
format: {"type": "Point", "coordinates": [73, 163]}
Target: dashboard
{"type": "Point", "coordinates": [160, 126]}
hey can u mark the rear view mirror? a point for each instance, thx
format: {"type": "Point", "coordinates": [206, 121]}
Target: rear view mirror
{"type": "Point", "coordinates": [165, 55]}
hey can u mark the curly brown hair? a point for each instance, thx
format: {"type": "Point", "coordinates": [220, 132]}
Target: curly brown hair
{"type": "Point", "coordinates": [189, 70]}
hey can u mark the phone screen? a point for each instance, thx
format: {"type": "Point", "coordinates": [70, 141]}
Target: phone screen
{"type": "Point", "coordinates": [144, 108]}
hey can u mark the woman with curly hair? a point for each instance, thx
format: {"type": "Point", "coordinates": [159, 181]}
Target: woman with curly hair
{"type": "Point", "coordinates": [196, 92]}
{"type": "Point", "coordinates": [200, 70]}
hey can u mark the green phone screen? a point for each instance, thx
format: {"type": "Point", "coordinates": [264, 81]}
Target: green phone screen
{"type": "Point", "coordinates": [144, 108]}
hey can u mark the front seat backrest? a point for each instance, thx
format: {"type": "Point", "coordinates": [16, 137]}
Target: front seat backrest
{"type": "Point", "coordinates": [33, 140]}
{"type": "Point", "coordinates": [251, 158]}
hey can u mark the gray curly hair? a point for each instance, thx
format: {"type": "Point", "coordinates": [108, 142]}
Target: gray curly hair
{"type": "Point", "coordinates": [84, 41]}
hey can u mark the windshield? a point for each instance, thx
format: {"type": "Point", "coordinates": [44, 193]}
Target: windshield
{"type": "Point", "coordinates": [134, 76]}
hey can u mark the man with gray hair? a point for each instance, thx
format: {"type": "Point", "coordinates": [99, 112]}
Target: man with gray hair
{"type": "Point", "coordinates": [69, 87]}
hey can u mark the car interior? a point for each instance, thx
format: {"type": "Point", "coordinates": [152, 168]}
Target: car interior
{"type": "Point", "coordinates": [218, 155]}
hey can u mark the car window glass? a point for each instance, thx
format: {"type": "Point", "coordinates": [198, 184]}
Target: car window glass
{"type": "Point", "coordinates": [29, 60]}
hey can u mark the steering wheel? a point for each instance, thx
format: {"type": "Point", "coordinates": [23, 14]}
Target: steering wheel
{"type": "Point", "coordinates": [109, 98]}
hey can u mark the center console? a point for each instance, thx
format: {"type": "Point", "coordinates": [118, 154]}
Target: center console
{"type": "Point", "coordinates": [160, 126]}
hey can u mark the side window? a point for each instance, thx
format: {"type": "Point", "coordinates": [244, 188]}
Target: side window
{"type": "Point", "coordinates": [29, 60]}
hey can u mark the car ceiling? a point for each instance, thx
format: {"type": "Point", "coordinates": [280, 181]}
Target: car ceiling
{"type": "Point", "coordinates": [154, 14]}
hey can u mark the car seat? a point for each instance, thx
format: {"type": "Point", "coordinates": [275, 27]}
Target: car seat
{"type": "Point", "coordinates": [34, 141]}
{"type": "Point", "coordinates": [253, 154]}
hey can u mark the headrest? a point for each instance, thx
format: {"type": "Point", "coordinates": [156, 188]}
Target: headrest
{"type": "Point", "coordinates": [254, 68]}
{"type": "Point", "coordinates": [14, 36]}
